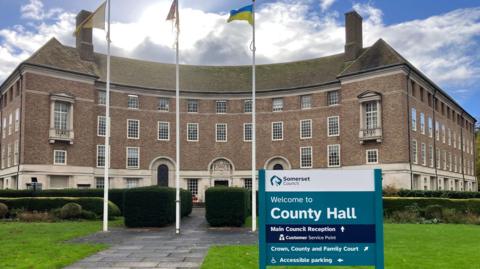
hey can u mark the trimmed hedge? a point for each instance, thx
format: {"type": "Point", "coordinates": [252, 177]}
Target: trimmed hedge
{"type": "Point", "coordinates": [440, 194]}
{"type": "Point", "coordinates": [93, 204]}
{"type": "Point", "coordinates": [116, 196]}
{"type": "Point", "coordinates": [396, 204]}
{"type": "Point", "coordinates": [227, 206]}
{"type": "Point", "coordinates": [154, 206]}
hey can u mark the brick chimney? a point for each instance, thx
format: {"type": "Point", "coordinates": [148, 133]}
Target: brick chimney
{"type": "Point", "coordinates": [353, 35]}
{"type": "Point", "coordinates": [84, 38]}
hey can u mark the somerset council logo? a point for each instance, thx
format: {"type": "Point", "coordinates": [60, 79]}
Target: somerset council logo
{"type": "Point", "coordinates": [275, 181]}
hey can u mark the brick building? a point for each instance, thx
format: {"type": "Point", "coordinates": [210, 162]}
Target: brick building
{"type": "Point", "coordinates": [363, 108]}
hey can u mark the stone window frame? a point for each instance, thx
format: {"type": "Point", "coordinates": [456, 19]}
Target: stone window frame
{"type": "Point", "coordinates": [133, 101]}
{"type": "Point", "coordinates": [221, 106]}
{"type": "Point", "coordinates": [65, 98]}
{"type": "Point", "coordinates": [306, 101]}
{"type": "Point", "coordinates": [303, 131]}
{"type": "Point", "coordinates": [101, 127]}
{"type": "Point", "coordinates": [277, 104]}
{"type": "Point", "coordinates": [164, 104]}
{"type": "Point", "coordinates": [218, 135]}
{"type": "Point", "coordinates": [275, 133]}
{"type": "Point", "coordinates": [330, 157]}
{"type": "Point", "coordinates": [367, 156]}
{"type": "Point", "coordinates": [130, 165]}
{"type": "Point", "coordinates": [370, 97]}
{"type": "Point", "coordinates": [58, 151]}
{"type": "Point", "coordinates": [197, 132]}
{"type": "Point", "coordinates": [309, 155]}
{"type": "Point", "coordinates": [331, 126]}
{"type": "Point", "coordinates": [245, 132]}
{"type": "Point", "coordinates": [131, 129]}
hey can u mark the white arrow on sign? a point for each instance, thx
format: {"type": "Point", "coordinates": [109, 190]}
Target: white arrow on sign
{"type": "Point", "coordinates": [343, 229]}
{"type": "Point", "coordinates": [340, 260]}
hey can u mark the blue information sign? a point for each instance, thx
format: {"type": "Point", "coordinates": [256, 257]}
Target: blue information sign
{"type": "Point", "coordinates": [321, 218]}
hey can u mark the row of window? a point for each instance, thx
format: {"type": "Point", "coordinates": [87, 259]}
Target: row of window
{"type": "Point", "coordinates": [446, 133]}
{"type": "Point", "coordinates": [8, 126]}
{"type": "Point", "coordinates": [221, 130]}
{"type": "Point", "coordinates": [12, 150]}
{"type": "Point", "coordinates": [452, 164]}
{"type": "Point", "coordinates": [221, 106]}
{"type": "Point", "coordinates": [8, 96]}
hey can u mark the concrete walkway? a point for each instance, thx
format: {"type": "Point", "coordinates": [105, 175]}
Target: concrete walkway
{"type": "Point", "coordinates": [161, 248]}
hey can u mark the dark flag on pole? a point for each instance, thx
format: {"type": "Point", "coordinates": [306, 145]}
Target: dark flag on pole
{"type": "Point", "coordinates": [173, 15]}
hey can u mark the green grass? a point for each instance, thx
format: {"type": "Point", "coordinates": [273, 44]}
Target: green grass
{"type": "Point", "coordinates": [407, 246]}
{"type": "Point", "coordinates": [42, 245]}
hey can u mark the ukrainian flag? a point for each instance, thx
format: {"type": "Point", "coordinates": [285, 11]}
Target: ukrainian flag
{"type": "Point", "coordinates": [243, 14]}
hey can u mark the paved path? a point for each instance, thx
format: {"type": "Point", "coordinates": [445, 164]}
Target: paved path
{"type": "Point", "coordinates": [161, 248]}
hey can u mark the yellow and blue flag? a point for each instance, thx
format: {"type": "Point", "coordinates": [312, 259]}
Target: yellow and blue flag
{"type": "Point", "coordinates": [243, 14]}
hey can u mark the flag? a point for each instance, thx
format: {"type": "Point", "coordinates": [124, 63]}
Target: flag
{"type": "Point", "coordinates": [95, 20]}
{"type": "Point", "coordinates": [243, 14]}
{"type": "Point", "coordinates": [174, 14]}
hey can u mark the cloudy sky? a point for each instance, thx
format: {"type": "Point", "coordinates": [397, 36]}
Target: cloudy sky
{"type": "Point", "coordinates": [441, 37]}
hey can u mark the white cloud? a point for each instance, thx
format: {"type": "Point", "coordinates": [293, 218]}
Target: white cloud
{"type": "Point", "coordinates": [445, 46]}
{"type": "Point", "coordinates": [326, 4]}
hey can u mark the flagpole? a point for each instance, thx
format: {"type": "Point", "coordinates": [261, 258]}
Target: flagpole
{"type": "Point", "coordinates": [177, 126]}
{"type": "Point", "coordinates": [254, 136]}
{"type": "Point", "coordinates": [107, 131]}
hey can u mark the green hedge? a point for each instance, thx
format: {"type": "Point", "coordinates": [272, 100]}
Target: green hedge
{"type": "Point", "coordinates": [154, 206]}
{"type": "Point", "coordinates": [227, 206]}
{"type": "Point", "coordinates": [440, 194]}
{"type": "Point", "coordinates": [395, 204]}
{"type": "Point", "coordinates": [116, 196]}
{"type": "Point", "coordinates": [93, 204]}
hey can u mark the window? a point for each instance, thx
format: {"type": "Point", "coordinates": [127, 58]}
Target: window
{"type": "Point", "coordinates": [61, 115]}
{"type": "Point", "coordinates": [132, 182]}
{"type": "Point", "coordinates": [9, 155]}
{"type": "Point", "coordinates": [455, 163]}
{"type": "Point", "coordinates": [59, 157]}
{"type": "Point", "coordinates": [450, 166]}
{"type": "Point", "coordinates": [3, 157]}
{"type": "Point", "coordinates": [133, 102]}
{"type": "Point", "coordinates": [437, 131]}
{"type": "Point", "coordinates": [438, 158]}
{"type": "Point", "coordinates": [101, 126]}
{"type": "Point", "coordinates": [430, 155]}
{"type": "Point", "coordinates": [10, 124]}
{"type": "Point", "coordinates": [333, 126]}
{"type": "Point", "coordinates": [133, 127]}
{"type": "Point", "coordinates": [247, 183]}
{"type": "Point", "coordinates": [305, 129]}
{"type": "Point", "coordinates": [422, 123]}
{"type": "Point", "coordinates": [163, 104]}
{"type": "Point", "coordinates": [101, 156]}
{"type": "Point", "coordinates": [99, 183]}
{"type": "Point", "coordinates": [277, 131]}
{"type": "Point", "coordinates": [414, 119]}
{"type": "Point", "coordinates": [414, 152]}
{"type": "Point", "coordinates": [371, 115]}
{"type": "Point", "coordinates": [454, 140]}
{"type": "Point", "coordinates": [192, 186]}
{"type": "Point", "coordinates": [163, 131]}
{"type": "Point", "coordinates": [247, 106]}
{"type": "Point", "coordinates": [333, 98]}
{"type": "Point", "coordinates": [102, 98]}
{"type": "Point", "coordinates": [444, 160]}
{"type": "Point", "coordinates": [306, 157]}
{"type": "Point", "coordinates": [247, 132]}
{"type": "Point", "coordinates": [133, 157]}
{"type": "Point", "coordinates": [277, 104]}
{"type": "Point", "coordinates": [15, 152]}
{"type": "Point", "coordinates": [306, 102]}
{"type": "Point", "coordinates": [221, 132]}
{"type": "Point", "coordinates": [192, 106]}
{"type": "Point", "coordinates": [17, 119]}
{"type": "Point", "coordinates": [192, 132]}
{"type": "Point", "coordinates": [430, 127]}
{"type": "Point", "coordinates": [333, 155]}
{"type": "Point", "coordinates": [449, 136]}
{"type": "Point", "coordinates": [221, 107]}
{"type": "Point", "coordinates": [4, 126]}
{"type": "Point", "coordinates": [443, 134]}
{"type": "Point", "coordinates": [423, 154]}
{"type": "Point", "coordinates": [372, 156]}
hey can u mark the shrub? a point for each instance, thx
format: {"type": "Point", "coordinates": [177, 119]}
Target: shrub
{"type": "Point", "coordinates": [154, 206]}
{"type": "Point", "coordinates": [226, 206]}
{"type": "Point", "coordinates": [390, 191]}
{"type": "Point", "coordinates": [433, 212]}
{"type": "Point", "coordinates": [406, 216]}
{"type": "Point", "coordinates": [35, 216]}
{"type": "Point", "coordinates": [88, 215]}
{"type": "Point", "coordinates": [40, 204]}
{"type": "Point", "coordinates": [439, 194]}
{"type": "Point", "coordinates": [3, 210]}
{"type": "Point", "coordinates": [71, 211]}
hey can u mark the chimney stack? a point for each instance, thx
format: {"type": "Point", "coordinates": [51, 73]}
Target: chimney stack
{"type": "Point", "coordinates": [353, 35]}
{"type": "Point", "coordinates": [84, 38]}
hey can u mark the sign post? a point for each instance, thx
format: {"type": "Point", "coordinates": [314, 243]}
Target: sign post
{"type": "Point", "coordinates": [321, 218]}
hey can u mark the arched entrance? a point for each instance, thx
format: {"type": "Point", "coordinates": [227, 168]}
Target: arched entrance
{"type": "Point", "coordinates": [162, 175]}
{"type": "Point", "coordinates": [221, 171]}
{"type": "Point", "coordinates": [278, 163]}
{"type": "Point", "coordinates": [278, 167]}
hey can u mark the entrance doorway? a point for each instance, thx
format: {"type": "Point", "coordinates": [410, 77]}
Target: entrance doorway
{"type": "Point", "coordinates": [278, 167]}
{"type": "Point", "coordinates": [221, 183]}
{"type": "Point", "coordinates": [162, 175]}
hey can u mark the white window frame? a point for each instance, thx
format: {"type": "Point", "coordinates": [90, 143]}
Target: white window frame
{"type": "Point", "coordinates": [367, 160]}
{"type": "Point", "coordinates": [277, 104]}
{"type": "Point", "coordinates": [444, 134]}
{"type": "Point", "coordinates": [422, 122]}
{"type": "Point", "coordinates": [192, 103]}
{"type": "Point", "coordinates": [16, 150]}
{"type": "Point", "coordinates": [138, 158]}
{"type": "Point", "coordinates": [97, 155]}
{"type": "Point", "coordinates": [168, 131]}
{"type": "Point", "coordinates": [305, 105]}
{"type": "Point", "coordinates": [55, 155]}
{"type": "Point", "coordinates": [430, 127]}
{"type": "Point", "coordinates": [216, 133]}
{"type": "Point", "coordinates": [167, 104]}
{"type": "Point", "coordinates": [430, 155]}
{"type": "Point", "coordinates": [10, 123]}
{"type": "Point", "coordinates": [104, 98]}
{"type": "Point", "coordinates": [414, 119]}
{"type": "Point", "coordinates": [219, 109]}
{"type": "Point", "coordinates": [328, 126]}
{"type": "Point", "coordinates": [311, 157]}
{"type": "Point", "coordinates": [329, 148]}
{"type": "Point", "coordinates": [129, 180]}
{"type": "Point", "coordinates": [337, 99]}
{"type": "Point", "coordinates": [273, 137]}
{"type": "Point", "coordinates": [188, 132]}
{"type": "Point", "coordinates": [245, 102]}
{"type": "Point", "coordinates": [17, 119]}
{"type": "Point", "coordinates": [98, 126]}
{"type": "Point", "coordinates": [244, 132]}
{"type": "Point", "coordinates": [136, 102]}
{"type": "Point", "coordinates": [138, 130]}
{"type": "Point", "coordinates": [192, 185]}
{"type": "Point", "coordinates": [423, 154]}
{"type": "Point", "coordinates": [310, 124]}
{"type": "Point", "coordinates": [414, 144]}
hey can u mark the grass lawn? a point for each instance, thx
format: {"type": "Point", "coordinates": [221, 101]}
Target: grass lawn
{"type": "Point", "coordinates": [41, 245]}
{"type": "Point", "coordinates": [407, 246]}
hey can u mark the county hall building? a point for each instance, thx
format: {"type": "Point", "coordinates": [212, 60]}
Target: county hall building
{"type": "Point", "coordinates": [367, 107]}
